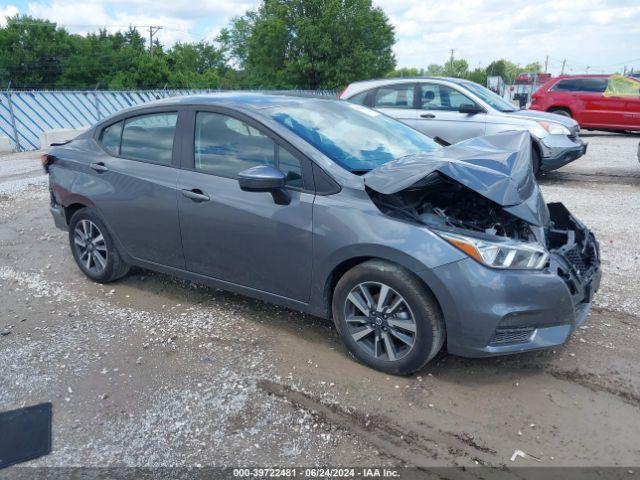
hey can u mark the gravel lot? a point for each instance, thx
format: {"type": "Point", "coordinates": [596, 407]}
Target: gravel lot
{"type": "Point", "coordinates": [152, 371]}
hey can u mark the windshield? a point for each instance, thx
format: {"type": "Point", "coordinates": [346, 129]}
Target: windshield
{"type": "Point", "coordinates": [496, 101]}
{"type": "Point", "coordinates": [356, 138]}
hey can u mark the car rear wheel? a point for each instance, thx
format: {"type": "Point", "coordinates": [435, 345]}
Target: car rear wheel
{"type": "Point", "coordinates": [387, 318]}
{"type": "Point", "coordinates": [93, 248]}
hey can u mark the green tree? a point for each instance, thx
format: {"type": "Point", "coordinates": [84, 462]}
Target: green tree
{"type": "Point", "coordinates": [32, 52]}
{"type": "Point", "coordinates": [456, 68]}
{"type": "Point", "coordinates": [312, 43]}
{"type": "Point", "coordinates": [407, 72]}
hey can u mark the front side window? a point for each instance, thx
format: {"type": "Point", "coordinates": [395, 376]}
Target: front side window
{"type": "Point", "coordinates": [225, 146]}
{"type": "Point", "coordinates": [149, 137]}
{"type": "Point", "coordinates": [110, 138]}
{"type": "Point", "coordinates": [356, 138]}
{"type": "Point", "coordinates": [394, 96]}
{"type": "Point", "coordinates": [441, 97]}
{"type": "Point", "coordinates": [290, 166]}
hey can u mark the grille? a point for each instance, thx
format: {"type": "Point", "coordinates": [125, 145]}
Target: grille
{"type": "Point", "coordinates": [503, 336]}
{"type": "Point", "coordinates": [576, 259]}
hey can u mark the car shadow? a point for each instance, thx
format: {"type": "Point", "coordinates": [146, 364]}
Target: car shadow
{"type": "Point", "coordinates": [322, 332]}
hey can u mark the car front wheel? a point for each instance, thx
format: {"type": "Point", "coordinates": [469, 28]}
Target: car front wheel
{"type": "Point", "coordinates": [387, 318]}
{"type": "Point", "coordinates": [93, 248]}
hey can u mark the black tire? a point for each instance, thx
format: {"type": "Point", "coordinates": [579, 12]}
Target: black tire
{"type": "Point", "coordinates": [429, 334]}
{"type": "Point", "coordinates": [114, 267]}
{"type": "Point", "coordinates": [561, 111]}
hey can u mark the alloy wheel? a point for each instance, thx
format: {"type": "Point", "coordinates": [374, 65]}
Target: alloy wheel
{"type": "Point", "coordinates": [90, 246]}
{"type": "Point", "coordinates": [380, 321]}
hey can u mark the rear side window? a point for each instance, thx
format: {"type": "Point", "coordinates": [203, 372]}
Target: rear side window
{"type": "Point", "coordinates": [395, 96]}
{"type": "Point", "coordinates": [594, 85]}
{"type": "Point", "coordinates": [110, 138]}
{"type": "Point", "coordinates": [225, 146]}
{"type": "Point", "coordinates": [149, 137]}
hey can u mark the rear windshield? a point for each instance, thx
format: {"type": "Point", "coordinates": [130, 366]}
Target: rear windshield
{"type": "Point", "coordinates": [355, 137]}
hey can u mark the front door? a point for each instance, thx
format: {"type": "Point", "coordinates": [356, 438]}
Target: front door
{"type": "Point", "coordinates": [438, 114]}
{"type": "Point", "coordinates": [237, 236]}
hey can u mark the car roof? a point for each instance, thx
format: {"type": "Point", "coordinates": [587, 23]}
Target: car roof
{"type": "Point", "coordinates": [409, 79]}
{"type": "Point", "coordinates": [255, 100]}
{"type": "Point", "coordinates": [560, 77]}
{"type": "Point", "coordinates": [239, 100]}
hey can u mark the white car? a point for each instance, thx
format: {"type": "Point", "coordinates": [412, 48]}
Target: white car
{"type": "Point", "coordinates": [453, 110]}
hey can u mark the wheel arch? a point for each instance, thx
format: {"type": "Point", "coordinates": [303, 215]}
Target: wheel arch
{"type": "Point", "coordinates": [556, 107]}
{"type": "Point", "coordinates": [346, 263]}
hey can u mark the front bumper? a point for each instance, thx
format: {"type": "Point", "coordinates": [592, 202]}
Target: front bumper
{"type": "Point", "coordinates": [494, 312]}
{"type": "Point", "coordinates": [559, 150]}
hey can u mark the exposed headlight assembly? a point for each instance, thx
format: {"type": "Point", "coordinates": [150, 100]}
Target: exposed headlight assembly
{"type": "Point", "coordinates": [554, 128]}
{"type": "Point", "coordinates": [506, 255]}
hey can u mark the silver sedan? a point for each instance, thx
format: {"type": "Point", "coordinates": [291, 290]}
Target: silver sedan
{"type": "Point", "coordinates": [452, 110]}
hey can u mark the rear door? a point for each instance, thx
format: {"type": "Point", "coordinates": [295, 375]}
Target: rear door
{"type": "Point", "coordinates": [237, 236]}
{"type": "Point", "coordinates": [134, 186]}
{"type": "Point", "coordinates": [596, 109]}
{"type": "Point", "coordinates": [438, 114]}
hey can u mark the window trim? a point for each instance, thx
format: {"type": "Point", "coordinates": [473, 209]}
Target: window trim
{"type": "Point", "coordinates": [188, 144]}
{"type": "Point", "coordinates": [140, 113]}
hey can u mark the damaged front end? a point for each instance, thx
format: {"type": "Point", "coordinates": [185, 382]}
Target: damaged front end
{"type": "Point", "coordinates": [481, 197]}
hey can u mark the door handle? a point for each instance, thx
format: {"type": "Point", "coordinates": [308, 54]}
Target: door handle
{"type": "Point", "coordinates": [196, 195]}
{"type": "Point", "coordinates": [99, 167]}
{"type": "Point", "coordinates": [428, 115]}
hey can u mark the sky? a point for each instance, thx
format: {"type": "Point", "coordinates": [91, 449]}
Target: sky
{"type": "Point", "coordinates": [598, 36]}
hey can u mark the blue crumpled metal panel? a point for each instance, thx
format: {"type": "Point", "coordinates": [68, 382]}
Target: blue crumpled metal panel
{"type": "Point", "coordinates": [37, 111]}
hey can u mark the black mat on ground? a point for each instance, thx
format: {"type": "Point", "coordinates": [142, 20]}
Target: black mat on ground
{"type": "Point", "coordinates": [25, 434]}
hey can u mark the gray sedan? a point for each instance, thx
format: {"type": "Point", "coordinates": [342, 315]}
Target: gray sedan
{"type": "Point", "coordinates": [453, 110]}
{"type": "Point", "coordinates": [333, 209]}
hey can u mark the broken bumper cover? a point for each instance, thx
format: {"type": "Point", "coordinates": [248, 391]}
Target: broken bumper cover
{"type": "Point", "coordinates": [559, 150]}
{"type": "Point", "coordinates": [494, 312]}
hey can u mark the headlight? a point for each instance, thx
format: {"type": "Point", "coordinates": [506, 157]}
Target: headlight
{"type": "Point", "coordinates": [507, 254]}
{"type": "Point", "coordinates": [554, 128]}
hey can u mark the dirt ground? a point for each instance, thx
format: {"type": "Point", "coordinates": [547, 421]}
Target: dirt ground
{"type": "Point", "coordinates": [152, 371]}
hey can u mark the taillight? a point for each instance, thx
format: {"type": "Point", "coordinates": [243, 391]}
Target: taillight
{"type": "Point", "coordinates": [46, 160]}
{"type": "Point", "coordinates": [342, 91]}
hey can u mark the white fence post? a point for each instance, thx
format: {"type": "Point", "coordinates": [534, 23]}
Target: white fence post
{"type": "Point", "coordinates": [13, 121]}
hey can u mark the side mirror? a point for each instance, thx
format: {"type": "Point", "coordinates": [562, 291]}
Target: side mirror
{"type": "Point", "coordinates": [470, 108]}
{"type": "Point", "coordinates": [265, 178]}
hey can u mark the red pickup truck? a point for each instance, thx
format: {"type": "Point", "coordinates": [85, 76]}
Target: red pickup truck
{"type": "Point", "coordinates": [596, 102]}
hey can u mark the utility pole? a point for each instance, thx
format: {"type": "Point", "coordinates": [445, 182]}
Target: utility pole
{"type": "Point", "coordinates": [152, 31]}
{"type": "Point", "coordinates": [546, 63]}
{"type": "Point", "coordinates": [624, 72]}
{"type": "Point", "coordinates": [587, 69]}
{"type": "Point", "coordinates": [564, 62]}
{"type": "Point", "coordinates": [452, 52]}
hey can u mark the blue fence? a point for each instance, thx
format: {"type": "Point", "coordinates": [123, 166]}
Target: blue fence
{"type": "Point", "coordinates": [24, 115]}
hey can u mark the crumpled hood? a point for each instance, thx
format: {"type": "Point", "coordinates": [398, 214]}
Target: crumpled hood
{"type": "Point", "coordinates": [497, 167]}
